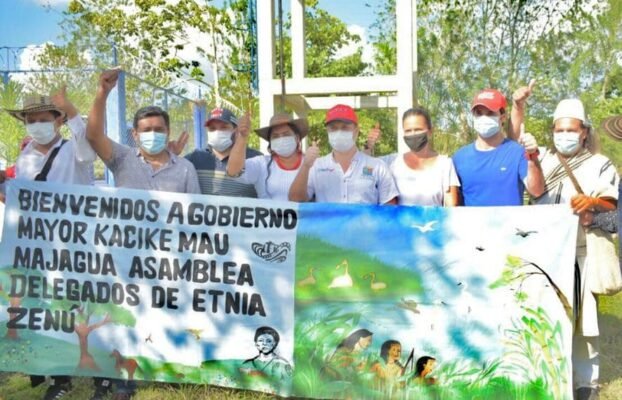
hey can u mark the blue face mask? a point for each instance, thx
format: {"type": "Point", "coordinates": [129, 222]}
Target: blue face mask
{"type": "Point", "coordinates": [153, 142]}
{"type": "Point", "coordinates": [567, 143]}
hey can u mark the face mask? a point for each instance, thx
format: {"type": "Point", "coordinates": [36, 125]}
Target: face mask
{"type": "Point", "coordinates": [417, 141]}
{"type": "Point", "coordinates": [41, 132]}
{"type": "Point", "coordinates": [486, 126]}
{"type": "Point", "coordinates": [284, 146]}
{"type": "Point", "coordinates": [566, 143]}
{"type": "Point", "coordinates": [341, 141]}
{"type": "Point", "coordinates": [220, 140]}
{"type": "Point", "coordinates": [153, 142]}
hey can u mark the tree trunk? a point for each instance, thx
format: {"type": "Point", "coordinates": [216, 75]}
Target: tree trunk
{"type": "Point", "coordinates": [86, 359]}
{"type": "Point", "coordinates": [12, 333]}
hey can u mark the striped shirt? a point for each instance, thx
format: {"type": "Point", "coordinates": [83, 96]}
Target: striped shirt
{"type": "Point", "coordinates": [596, 175]}
{"type": "Point", "coordinates": [213, 177]}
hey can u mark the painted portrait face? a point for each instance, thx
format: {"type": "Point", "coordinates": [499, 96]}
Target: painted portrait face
{"type": "Point", "coordinates": [429, 366]}
{"type": "Point", "coordinates": [265, 343]}
{"type": "Point", "coordinates": [363, 343]}
{"type": "Point", "coordinates": [395, 351]}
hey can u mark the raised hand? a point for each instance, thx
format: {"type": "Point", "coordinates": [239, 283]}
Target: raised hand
{"type": "Point", "coordinates": [527, 140]}
{"type": "Point", "coordinates": [521, 95]}
{"type": "Point", "coordinates": [61, 101]}
{"type": "Point", "coordinates": [312, 154]}
{"type": "Point", "coordinates": [177, 146]}
{"type": "Point", "coordinates": [373, 135]}
{"type": "Point", "coordinates": [108, 79]}
{"type": "Point", "coordinates": [244, 125]}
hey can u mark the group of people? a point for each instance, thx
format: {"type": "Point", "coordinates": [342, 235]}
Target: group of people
{"type": "Point", "coordinates": [349, 361]}
{"type": "Point", "coordinates": [494, 170]}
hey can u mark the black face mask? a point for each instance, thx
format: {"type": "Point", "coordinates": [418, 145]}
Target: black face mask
{"type": "Point", "coordinates": [417, 141]}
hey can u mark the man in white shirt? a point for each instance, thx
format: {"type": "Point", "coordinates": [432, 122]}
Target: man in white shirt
{"type": "Point", "coordinates": [49, 157]}
{"type": "Point", "coordinates": [346, 175]}
{"type": "Point", "coordinates": [43, 117]}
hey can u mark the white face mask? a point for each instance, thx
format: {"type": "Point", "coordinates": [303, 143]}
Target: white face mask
{"type": "Point", "coordinates": [567, 143]}
{"type": "Point", "coordinates": [41, 132]}
{"type": "Point", "coordinates": [486, 126]}
{"type": "Point", "coordinates": [284, 146]}
{"type": "Point", "coordinates": [341, 141]}
{"type": "Point", "coordinates": [220, 140]}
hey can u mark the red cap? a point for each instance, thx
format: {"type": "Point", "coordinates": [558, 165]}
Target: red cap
{"type": "Point", "coordinates": [341, 112]}
{"type": "Point", "coordinates": [492, 99]}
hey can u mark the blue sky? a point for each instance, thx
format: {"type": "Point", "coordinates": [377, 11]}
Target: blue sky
{"type": "Point", "coordinates": [24, 22]}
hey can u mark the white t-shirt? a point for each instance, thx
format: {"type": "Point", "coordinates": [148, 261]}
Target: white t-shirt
{"type": "Point", "coordinates": [270, 183]}
{"type": "Point", "coordinates": [367, 181]}
{"type": "Point", "coordinates": [425, 187]}
{"type": "Point", "coordinates": [73, 163]}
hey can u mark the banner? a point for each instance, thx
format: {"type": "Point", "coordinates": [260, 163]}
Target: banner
{"type": "Point", "coordinates": [311, 300]}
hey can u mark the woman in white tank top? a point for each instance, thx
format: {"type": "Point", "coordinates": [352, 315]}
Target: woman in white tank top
{"type": "Point", "coordinates": [422, 176]}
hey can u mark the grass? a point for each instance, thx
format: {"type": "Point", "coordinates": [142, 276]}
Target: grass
{"type": "Point", "coordinates": [399, 281]}
{"type": "Point", "coordinates": [15, 386]}
{"type": "Point", "coordinates": [611, 347]}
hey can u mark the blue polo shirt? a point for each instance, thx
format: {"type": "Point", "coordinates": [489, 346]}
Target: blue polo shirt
{"type": "Point", "coordinates": [494, 177]}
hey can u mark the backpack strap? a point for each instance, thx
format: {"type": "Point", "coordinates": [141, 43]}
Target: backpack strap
{"type": "Point", "coordinates": [43, 174]}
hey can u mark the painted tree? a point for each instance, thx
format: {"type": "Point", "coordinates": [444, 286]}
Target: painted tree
{"type": "Point", "coordinates": [91, 316]}
{"type": "Point", "coordinates": [518, 270]}
{"type": "Point", "coordinates": [6, 299]}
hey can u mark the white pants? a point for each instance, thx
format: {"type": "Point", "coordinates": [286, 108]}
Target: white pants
{"type": "Point", "coordinates": [585, 361]}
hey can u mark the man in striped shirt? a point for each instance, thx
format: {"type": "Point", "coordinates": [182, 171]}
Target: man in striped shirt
{"type": "Point", "coordinates": [211, 162]}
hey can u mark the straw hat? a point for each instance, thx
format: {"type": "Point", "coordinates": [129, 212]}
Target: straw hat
{"type": "Point", "coordinates": [613, 127]}
{"type": "Point", "coordinates": [33, 104]}
{"type": "Point", "coordinates": [280, 119]}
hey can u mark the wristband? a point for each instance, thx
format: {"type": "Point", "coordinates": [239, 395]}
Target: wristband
{"type": "Point", "coordinates": [532, 156]}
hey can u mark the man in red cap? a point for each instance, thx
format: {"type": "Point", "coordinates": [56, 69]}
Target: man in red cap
{"type": "Point", "coordinates": [494, 170]}
{"type": "Point", "coordinates": [346, 175]}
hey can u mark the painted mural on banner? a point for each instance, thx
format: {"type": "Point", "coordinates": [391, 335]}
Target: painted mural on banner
{"type": "Point", "coordinates": [311, 300]}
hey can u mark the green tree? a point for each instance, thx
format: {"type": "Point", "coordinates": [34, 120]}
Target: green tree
{"type": "Point", "coordinates": [12, 130]}
{"type": "Point", "coordinates": [467, 45]}
{"type": "Point", "coordinates": [91, 316]}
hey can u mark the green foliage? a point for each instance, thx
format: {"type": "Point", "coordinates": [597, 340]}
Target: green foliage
{"type": "Point", "coordinates": [325, 36]}
{"type": "Point", "coordinates": [384, 39]}
{"type": "Point", "coordinates": [535, 349]}
{"type": "Point", "coordinates": [12, 130]}
{"type": "Point", "coordinates": [318, 337]}
{"type": "Point", "coordinates": [399, 282]}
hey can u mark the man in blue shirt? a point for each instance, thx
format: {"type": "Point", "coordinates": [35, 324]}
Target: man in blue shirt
{"type": "Point", "coordinates": [494, 170]}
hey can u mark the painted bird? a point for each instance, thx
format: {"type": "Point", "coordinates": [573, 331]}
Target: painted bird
{"type": "Point", "coordinates": [195, 332]}
{"type": "Point", "coordinates": [524, 234]}
{"type": "Point", "coordinates": [425, 228]}
{"type": "Point", "coordinates": [409, 305]}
